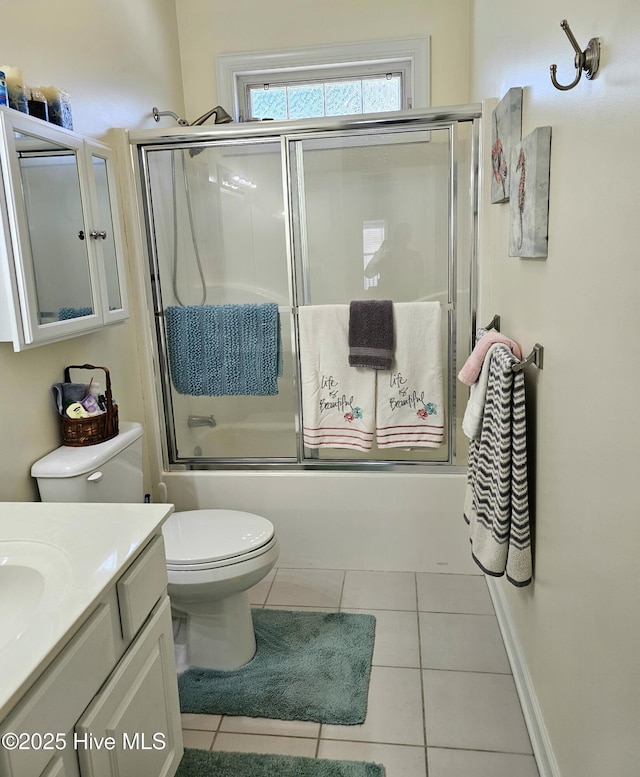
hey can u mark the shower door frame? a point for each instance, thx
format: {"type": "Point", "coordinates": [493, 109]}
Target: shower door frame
{"type": "Point", "coordinates": [289, 133]}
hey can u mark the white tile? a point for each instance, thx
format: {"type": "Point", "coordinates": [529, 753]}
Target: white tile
{"type": "Point", "coordinates": [258, 593]}
{"type": "Point", "coordinates": [253, 743]}
{"type": "Point", "coordinates": [470, 643]}
{"type": "Point", "coordinates": [474, 711]}
{"type": "Point", "coordinates": [453, 593]}
{"type": "Point", "coordinates": [394, 712]}
{"type": "Point", "coordinates": [398, 760]}
{"type": "Point", "coordinates": [453, 763]}
{"type": "Point", "coordinates": [199, 740]}
{"type": "Point", "coordinates": [307, 587]}
{"type": "Point", "coordinates": [396, 642]}
{"type": "Point", "coordinates": [379, 590]}
{"type": "Point", "coordinates": [200, 722]}
{"type": "Point", "coordinates": [284, 728]}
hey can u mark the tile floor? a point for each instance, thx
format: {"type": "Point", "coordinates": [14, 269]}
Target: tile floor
{"type": "Point", "coordinates": [442, 700]}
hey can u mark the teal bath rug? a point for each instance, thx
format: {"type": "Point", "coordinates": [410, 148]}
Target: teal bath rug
{"type": "Point", "coordinates": [202, 763]}
{"type": "Point", "coordinates": [308, 666]}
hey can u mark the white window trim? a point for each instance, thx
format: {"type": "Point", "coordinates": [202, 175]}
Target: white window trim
{"type": "Point", "coordinates": [232, 68]}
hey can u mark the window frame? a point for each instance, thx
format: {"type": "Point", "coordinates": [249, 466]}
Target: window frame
{"type": "Point", "coordinates": [407, 55]}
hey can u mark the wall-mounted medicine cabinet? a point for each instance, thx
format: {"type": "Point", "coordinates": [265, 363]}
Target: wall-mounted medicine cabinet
{"type": "Point", "coordinates": [61, 261]}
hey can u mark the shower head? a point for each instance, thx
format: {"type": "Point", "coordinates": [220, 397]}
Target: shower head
{"type": "Point", "coordinates": [222, 117]}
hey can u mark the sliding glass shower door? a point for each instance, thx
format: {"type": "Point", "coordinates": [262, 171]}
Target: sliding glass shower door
{"type": "Point", "coordinates": [298, 218]}
{"type": "Point", "coordinates": [217, 218]}
{"type": "Point", "coordinates": [373, 216]}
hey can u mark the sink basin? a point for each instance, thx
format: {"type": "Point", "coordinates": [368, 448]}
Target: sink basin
{"type": "Point", "coordinates": [34, 577]}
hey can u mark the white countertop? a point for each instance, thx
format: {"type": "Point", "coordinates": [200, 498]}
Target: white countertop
{"type": "Point", "coordinates": [81, 550]}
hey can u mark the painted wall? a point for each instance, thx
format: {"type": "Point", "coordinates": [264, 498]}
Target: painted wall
{"type": "Point", "coordinates": [91, 50]}
{"type": "Point", "coordinates": [578, 623]}
{"type": "Point", "coordinates": [212, 27]}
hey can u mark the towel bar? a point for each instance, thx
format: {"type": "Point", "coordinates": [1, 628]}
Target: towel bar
{"type": "Point", "coordinates": [535, 357]}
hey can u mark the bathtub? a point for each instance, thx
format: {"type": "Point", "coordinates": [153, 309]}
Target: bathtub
{"type": "Point", "coordinates": [263, 435]}
{"type": "Point", "coordinates": [344, 520]}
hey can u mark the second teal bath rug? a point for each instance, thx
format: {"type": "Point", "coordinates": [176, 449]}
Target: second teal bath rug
{"type": "Point", "coordinates": [202, 763]}
{"type": "Point", "coordinates": [308, 666]}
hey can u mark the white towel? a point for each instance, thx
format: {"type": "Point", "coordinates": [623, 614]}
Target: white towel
{"type": "Point", "coordinates": [338, 401]}
{"type": "Point", "coordinates": [474, 412]}
{"type": "Point", "coordinates": [410, 398]}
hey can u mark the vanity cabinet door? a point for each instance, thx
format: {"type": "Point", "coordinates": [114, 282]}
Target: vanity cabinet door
{"type": "Point", "coordinates": [57, 699]}
{"type": "Point", "coordinates": [139, 708]}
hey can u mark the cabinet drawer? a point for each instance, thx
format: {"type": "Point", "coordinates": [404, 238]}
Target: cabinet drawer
{"type": "Point", "coordinates": [62, 693]}
{"type": "Point", "coordinates": [141, 587]}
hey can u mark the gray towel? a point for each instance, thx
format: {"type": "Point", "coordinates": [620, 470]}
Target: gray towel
{"type": "Point", "coordinates": [64, 394]}
{"type": "Point", "coordinates": [371, 337]}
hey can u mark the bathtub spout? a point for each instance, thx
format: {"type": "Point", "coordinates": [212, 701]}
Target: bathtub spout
{"type": "Point", "coordinates": [201, 420]}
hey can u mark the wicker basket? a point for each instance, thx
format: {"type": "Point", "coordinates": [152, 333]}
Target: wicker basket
{"type": "Point", "coordinates": [77, 432]}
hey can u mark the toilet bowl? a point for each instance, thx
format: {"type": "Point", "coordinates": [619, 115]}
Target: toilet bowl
{"type": "Point", "coordinates": [213, 556]}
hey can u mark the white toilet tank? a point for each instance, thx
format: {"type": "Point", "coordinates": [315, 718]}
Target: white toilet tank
{"type": "Point", "coordinates": [110, 471]}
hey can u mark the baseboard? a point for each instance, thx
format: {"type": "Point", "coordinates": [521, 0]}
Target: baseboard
{"type": "Point", "coordinates": [542, 750]}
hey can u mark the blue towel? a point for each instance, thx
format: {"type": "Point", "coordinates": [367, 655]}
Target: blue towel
{"type": "Point", "coordinates": [224, 350]}
{"type": "Point", "coordinates": [66, 313]}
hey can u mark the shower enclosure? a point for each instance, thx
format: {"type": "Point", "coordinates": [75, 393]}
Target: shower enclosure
{"type": "Point", "coordinates": [308, 213]}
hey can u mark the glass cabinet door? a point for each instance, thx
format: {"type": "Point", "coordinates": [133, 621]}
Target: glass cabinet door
{"type": "Point", "coordinates": [61, 271]}
{"type": "Point", "coordinates": [47, 209]}
{"type": "Point", "coordinates": [106, 234]}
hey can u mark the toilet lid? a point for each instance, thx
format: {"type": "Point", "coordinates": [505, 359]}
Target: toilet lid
{"type": "Point", "coordinates": [207, 536]}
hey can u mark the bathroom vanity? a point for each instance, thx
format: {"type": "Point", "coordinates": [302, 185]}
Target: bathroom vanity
{"type": "Point", "coordinates": [88, 685]}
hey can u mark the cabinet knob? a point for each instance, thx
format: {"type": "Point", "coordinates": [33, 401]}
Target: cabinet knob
{"type": "Point", "coordinates": [95, 234]}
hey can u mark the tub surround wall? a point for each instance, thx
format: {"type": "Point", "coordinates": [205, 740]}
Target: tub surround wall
{"type": "Point", "coordinates": [385, 521]}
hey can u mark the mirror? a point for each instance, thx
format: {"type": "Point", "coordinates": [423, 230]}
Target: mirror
{"type": "Point", "coordinates": [58, 241]}
{"type": "Point", "coordinates": [108, 245]}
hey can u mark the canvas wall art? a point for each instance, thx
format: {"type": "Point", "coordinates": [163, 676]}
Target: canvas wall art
{"type": "Point", "coordinates": [529, 200]}
{"type": "Point", "coordinates": [505, 133]}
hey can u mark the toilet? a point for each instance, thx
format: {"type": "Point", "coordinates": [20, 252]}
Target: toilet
{"type": "Point", "coordinates": [213, 556]}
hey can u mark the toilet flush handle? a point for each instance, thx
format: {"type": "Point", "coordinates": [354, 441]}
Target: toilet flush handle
{"type": "Point", "coordinates": [95, 477]}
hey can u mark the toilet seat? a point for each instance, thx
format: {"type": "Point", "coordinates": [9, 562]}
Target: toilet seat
{"type": "Point", "coordinates": [206, 539]}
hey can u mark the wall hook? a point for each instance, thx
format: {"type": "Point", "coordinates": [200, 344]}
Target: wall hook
{"type": "Point", "coordinates": [587, 60]}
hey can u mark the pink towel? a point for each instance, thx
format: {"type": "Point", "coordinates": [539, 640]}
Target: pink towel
{"type": "Point", "coordinates": [472, 367]}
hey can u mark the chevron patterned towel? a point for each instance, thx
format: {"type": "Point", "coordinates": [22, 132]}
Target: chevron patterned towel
{"type": "Point", "coordinates": [497, 502]}
{"type": "Point", "coordinates": [224, 350]}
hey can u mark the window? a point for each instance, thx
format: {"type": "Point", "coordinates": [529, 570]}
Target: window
{"type": "Point", "coordinates": [332, 80]}
{"type": "Point", "coordinates": [303, 99]}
